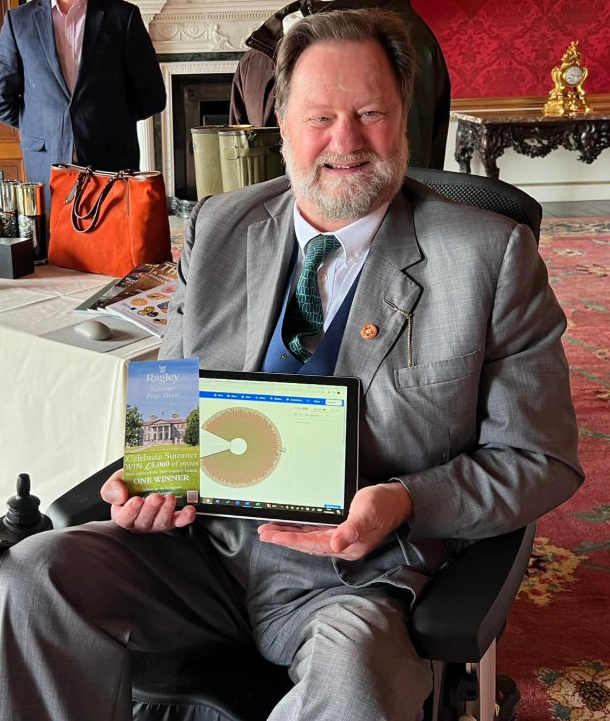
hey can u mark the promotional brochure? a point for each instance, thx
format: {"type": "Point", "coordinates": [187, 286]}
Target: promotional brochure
{"type": "Point", "coordinates": [142, 277]}
{"type": "Point", "coordinates": [98, 300]}
{"type": "Point", "coordinates": [157, 275]}
{"type": "Point", "coordinates": [148, 309]}
{"type": "Point", "coordinates": [162, 429]}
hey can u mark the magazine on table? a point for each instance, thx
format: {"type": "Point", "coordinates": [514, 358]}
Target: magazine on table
{"type": "Point", "coordinates": [96, 302]}
{"type": "Point", "coordinates": [157, 275]}
{"type": "Point", "coordinates": [147, 309]}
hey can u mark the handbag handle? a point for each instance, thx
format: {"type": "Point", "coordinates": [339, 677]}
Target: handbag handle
{"type": "Point", "coordinates": [94, 214]}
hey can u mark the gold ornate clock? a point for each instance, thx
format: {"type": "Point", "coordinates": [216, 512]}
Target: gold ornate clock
{"type": "Point", "coordinates": [568, 97]}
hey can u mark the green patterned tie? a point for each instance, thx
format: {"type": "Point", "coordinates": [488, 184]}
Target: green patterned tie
{"type": "Point", "coordinates": [304, 313]}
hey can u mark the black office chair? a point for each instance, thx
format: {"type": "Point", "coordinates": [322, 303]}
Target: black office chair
{"type": "Point", "coordinates": [488, 193]}
{"type": "Point", "coordinates": [455, 623]}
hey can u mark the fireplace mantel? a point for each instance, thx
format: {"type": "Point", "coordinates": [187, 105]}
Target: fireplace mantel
{"type": "Point", "coordinates": [197, 26]}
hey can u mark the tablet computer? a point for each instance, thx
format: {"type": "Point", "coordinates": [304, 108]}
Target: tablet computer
{"type": "Point", "coordinates": [277, 446]}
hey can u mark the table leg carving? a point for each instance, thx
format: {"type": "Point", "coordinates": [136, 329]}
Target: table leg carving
{"type": "Point", "coordinates": [491, 148]}
{"type": "Point", "coordinates": [589, 139]}
{"type": "Point", "coordinates": [465, 141]}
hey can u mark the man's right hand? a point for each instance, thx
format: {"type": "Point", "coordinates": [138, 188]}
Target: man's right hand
{"type": "Point", "coordinates": [153, 514]}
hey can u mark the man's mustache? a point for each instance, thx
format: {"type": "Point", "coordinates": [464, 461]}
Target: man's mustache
{"type": "Point", "coordinates": [360, 156]}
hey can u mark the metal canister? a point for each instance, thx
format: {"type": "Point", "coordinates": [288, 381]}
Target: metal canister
{"type": "Point", "coordinates": [249, 156]}
{"type": "Point", "coordinates": [32, 218]}
{"type": "Point", "coordinates": [206, 152]}
{"type": "Point", "coordinates": [207, 160]}
{"type": "Point", "coordinates": [8, 209]}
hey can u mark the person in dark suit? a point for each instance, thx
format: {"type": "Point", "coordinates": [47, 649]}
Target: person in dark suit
{"type": "Point", "coordinates": [75, 77]}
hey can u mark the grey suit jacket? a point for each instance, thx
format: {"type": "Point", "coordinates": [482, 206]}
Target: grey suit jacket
{"type": "Point", "coordinates": [466, 397]}
{"type": "Point", "coordinates": [119, 82]}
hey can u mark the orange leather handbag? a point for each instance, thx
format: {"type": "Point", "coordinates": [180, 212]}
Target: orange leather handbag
{"type": "Point", "coordinates": [105, 222]}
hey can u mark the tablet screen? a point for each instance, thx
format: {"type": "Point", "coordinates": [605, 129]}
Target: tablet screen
{"type": "Point", "coordinates": [278, 446]}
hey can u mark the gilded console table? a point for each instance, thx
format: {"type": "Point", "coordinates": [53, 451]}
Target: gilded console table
{"type": "Point", "coordinates": [530, 133]}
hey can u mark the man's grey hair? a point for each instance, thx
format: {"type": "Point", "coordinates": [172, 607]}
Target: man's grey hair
{"type": "Point", "coordinates": [388, 29]}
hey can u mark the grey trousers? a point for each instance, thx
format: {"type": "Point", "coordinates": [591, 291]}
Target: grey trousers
{"type": "Point", "coordinates": [73, 602]}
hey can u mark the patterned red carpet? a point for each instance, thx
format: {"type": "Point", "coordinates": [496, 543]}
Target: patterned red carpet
{"type": "Point", "coordinates": [557, 644]}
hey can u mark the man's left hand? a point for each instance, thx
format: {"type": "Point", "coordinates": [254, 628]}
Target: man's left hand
{"type": "Point", "coordinates": [375, 512]}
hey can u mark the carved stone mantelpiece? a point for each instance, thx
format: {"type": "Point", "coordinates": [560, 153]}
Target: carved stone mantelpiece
{"type": "Point", "coordinates": [529, 133]}
{"type": "Point", "coordinates": [180, 26]}
{"type": "Point", "coordinates": [148, 10]}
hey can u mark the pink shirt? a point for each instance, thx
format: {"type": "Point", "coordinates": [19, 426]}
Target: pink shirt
{"type": "Point", "coordinates": [69, 29]}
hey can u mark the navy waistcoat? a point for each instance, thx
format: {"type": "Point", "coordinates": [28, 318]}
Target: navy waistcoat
{"type": "Point", "coordinates": [279, 359]}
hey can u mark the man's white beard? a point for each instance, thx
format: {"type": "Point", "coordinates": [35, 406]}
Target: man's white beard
{"type": "Point", "coordinates": [352, 196]}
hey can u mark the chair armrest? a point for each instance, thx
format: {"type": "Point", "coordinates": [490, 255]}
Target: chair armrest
{"type": "Point", "coordinates": [465, 606]}
{"type": "Point", "coordinates": [83, 503]}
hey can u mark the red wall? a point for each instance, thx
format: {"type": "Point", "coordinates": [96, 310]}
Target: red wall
{"type": "Point", "coordinates": [508, 47]}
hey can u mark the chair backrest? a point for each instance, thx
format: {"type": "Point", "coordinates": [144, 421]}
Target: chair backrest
{"type": "Point", "coordinates": [482, 192]}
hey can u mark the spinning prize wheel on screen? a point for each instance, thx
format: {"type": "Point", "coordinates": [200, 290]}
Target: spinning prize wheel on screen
{"type": "Point", "coordinates": [239, 447]}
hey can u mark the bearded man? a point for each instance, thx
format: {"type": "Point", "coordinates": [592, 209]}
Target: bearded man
{"type": "Point", "coordinates": [466, 427]}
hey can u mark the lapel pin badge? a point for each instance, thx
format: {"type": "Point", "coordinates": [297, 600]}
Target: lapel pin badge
{"type": "Point", "coordinates": [369, 331]}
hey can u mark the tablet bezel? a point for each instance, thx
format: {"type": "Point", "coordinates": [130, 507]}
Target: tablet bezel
{"type": "Point", "coordinates": [350, 482]}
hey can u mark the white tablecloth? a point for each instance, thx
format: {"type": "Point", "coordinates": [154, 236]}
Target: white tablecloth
{"type": "Point", "coordinates": [62, 406]}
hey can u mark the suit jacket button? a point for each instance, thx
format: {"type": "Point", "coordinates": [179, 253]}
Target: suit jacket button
{"type": "Point", "coordinates": [369, 331]}
{"type": "Point", "coordinates": [283, 356]}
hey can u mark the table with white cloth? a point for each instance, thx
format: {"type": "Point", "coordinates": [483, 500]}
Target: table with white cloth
{"type": "Point", "coordinates": [62, 406]}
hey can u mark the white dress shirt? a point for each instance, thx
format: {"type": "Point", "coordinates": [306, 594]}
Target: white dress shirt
{"type": "Point", "coordinates": [69, 29]}
{"type": "Point", "coordinates": [338, 272]}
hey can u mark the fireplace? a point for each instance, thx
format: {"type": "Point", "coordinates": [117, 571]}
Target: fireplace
{"type": "Point", "coordinates": [198, 93]}
{"type": "Point", "coordinates": [196, 100]}
{"type": "Point", "coordinates": [198, 45]}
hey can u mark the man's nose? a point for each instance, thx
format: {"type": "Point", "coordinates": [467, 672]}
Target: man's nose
{"type": "Point", "coordinates": [346, 137]}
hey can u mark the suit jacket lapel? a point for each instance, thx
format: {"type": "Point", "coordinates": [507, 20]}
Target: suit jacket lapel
{"type": "Point", "coordinates": [44, 25]}
{"type": "Point", "coordinates": [93, 23]}
{"type": "Point", "coordinates": [269, 250]}
{"type": "Point", "coordinates": [385, 295]}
